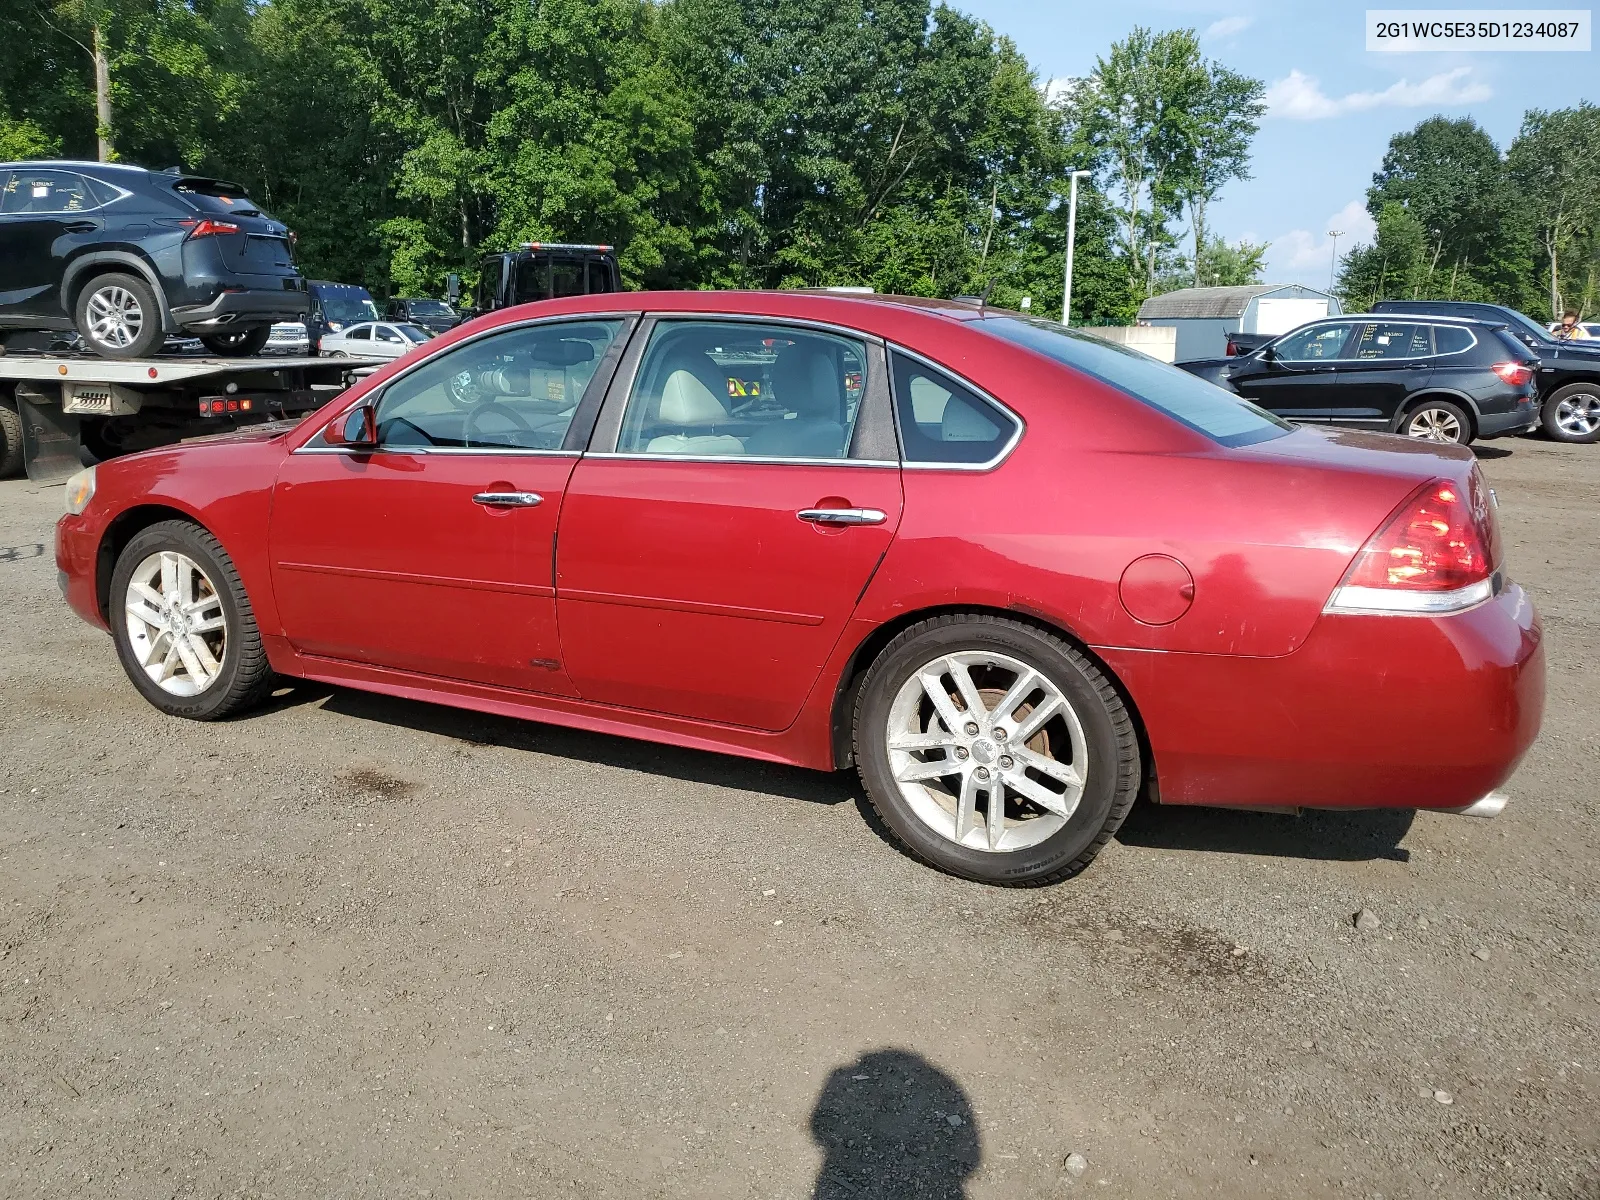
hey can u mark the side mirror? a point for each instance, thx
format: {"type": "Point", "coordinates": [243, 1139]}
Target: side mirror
{"type": "Point", "coordinates": [1268, 354]}
{"type": "Point", "coordinates": [356, 429]}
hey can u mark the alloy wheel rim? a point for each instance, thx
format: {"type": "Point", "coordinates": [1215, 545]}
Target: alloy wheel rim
{"type": "Point", "coordinates": [1435, 425]}
{"type": "Point", "coordinates": [1579, 414]}
{"type": "Point", "coordinates": [116, 317]}
{"type": "Point", "coordinates": [975, 730]}
{"type": "Point", "coordinates": [176, 624]}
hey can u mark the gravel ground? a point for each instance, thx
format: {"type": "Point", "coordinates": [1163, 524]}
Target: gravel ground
{"type": "Point", "coordinates": [352, 946]}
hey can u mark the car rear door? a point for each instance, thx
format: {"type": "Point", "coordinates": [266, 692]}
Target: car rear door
{"type": "Point", "coordinates": [433, 552]}
{"type": "Point", "coordinates": [741, 490]}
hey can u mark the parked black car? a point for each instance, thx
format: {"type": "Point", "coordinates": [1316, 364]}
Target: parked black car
{"type": "Point", "coordinates": [126, 256]}
{"type": "Point", "coordinates": [433, 315]}
{"type": "Point", "coordinates": [1440, 378]}
{"type": "Point", "coordinates": [335, 307]}
{"type": "Point", "coordinates": [1568, 372]}
{"type": "Point", "coordinates": [544, 271]}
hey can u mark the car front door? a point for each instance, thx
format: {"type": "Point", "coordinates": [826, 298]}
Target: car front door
{"type": "Point", "coordinates": [1293, 375]}
{"type": "Point", "coordinates": [44, 216]}
{"type": "Point", "coordinates": [742, 487]}
{"type": "Point", "coordinates": [433, 551]}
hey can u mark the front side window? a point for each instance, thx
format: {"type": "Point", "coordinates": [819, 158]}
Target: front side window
{"type": "Point", "coordinates": [1219, 415]}
{"type": "Point", "coordinates": [1390, 340]}
{"type": "Point", "coordinates": [738, 389]}
{"type": "Point", "coordinates": [516, 389]}
{"type": "Point", "coordinates": [1312, 344]}
{"type": "Point", "coordinates": [45, 192]}
{"type": "Point", "coordinates": [943, 421]}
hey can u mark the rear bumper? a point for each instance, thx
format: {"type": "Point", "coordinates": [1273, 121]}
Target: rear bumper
{"type": "Point", "coordinates": [243, 308]}
{"type": "Point", "coordinates": [1524, 416]}
{"type": "Point", "coordinates": [1371, 712]}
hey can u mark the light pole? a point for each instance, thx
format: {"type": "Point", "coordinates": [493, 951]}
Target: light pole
{"type": "Point", "coordinates": [1072, 236]}
{"type": "Point", "coordinates": [1333, 267]}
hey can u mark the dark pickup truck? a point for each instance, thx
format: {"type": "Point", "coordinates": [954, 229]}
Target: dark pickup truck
{"type": "Point", "coordinates": [1567, 373]}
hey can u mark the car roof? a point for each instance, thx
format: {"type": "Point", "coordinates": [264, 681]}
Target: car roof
{"type": "Point", "coordinates": [81, 165]}
{"type": "Point", "coordinates": [1448, 318]}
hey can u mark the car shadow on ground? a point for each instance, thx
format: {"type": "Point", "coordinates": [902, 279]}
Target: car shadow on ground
{"type": "Point", "coordinates": [484, 729]}
{"type": "Point", "coordinates": [893, 1126]}
{"type": "Point", "coordinates": [1491, 452]}
{"type": "Point", "coordinates": [1353, 836]}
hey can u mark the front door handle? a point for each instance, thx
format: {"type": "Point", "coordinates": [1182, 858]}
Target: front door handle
{"type": "Point", "coordinates": [508, 499]}
{"type": "Point", "coordinates": [843, 516]}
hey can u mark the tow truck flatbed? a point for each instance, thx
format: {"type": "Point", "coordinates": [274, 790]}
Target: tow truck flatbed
{"type": "Point", "coordinates": [59, 411]}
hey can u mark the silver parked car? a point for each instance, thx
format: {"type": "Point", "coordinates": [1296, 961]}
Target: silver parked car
{"type": "Point", "coordinates": [374, 339]}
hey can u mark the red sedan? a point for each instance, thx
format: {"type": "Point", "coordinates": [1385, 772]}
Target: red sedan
{"type": "Point", "coordinates": [1014, 575]}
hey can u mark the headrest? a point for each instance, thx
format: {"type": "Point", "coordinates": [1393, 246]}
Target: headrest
{"type": "Point", "coordinates": [687, 401]}
{"type": "Point", "coordinates": [804, 379]}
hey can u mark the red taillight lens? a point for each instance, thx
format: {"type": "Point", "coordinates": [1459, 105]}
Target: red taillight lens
{"type": "Point", "coordinates": [1437, 554]}
{"type": "Point", "coordinates": [1516, 374]}
{"type": "Point", "coordinates": [210, 228]}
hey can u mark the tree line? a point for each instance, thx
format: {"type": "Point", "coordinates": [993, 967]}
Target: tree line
{"type": "Point", "coordinates": [1457, 219]}
{"type": "Point", "coordinates": [897, 144]}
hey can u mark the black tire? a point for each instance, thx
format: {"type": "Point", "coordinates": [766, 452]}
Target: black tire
{"type": "Point", "coordinates": [10, 440]}
{"type": "Point", "coordinates": [1112, 767]}
{"type": "Point", "coordinates": [1437, 414]}
{"type": "Point", "coordinates": [1579, 404]}
{"type": "Point", "coordinates": [244, 677]}
{"type": "Point", "coordinates": [246, 343]}
{"type": "Point", "coordinates": [142, 298]}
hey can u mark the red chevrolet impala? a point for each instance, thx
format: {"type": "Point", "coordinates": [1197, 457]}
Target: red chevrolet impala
{"type": "Point", "coordinates": [1013, 574]}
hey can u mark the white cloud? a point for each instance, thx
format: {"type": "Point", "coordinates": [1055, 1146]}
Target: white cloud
{"type": "Point", "coordinates": [1059, 89]}
{"type": "Point", "coordinates": [1299, 97]}
{"type": "Point", "coordinates": [1307, 255]}
{"type": "Point", "coordinates": [1226, 27]}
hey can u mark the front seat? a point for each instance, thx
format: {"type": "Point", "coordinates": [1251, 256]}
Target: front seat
{"type": "Point", "coordinates": [807, 383]}
{"type": "Point", "coordinates": [688, 402]}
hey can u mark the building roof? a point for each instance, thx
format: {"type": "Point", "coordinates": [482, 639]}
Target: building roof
{"type": "Point", "coordinates": [1213, 302]}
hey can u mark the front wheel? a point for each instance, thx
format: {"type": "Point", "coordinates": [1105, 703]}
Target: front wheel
{"type": "Point", "coordinates": [1438, 421]}
{"type": "Point", "coordinates": [1572, 413]}
{"type": "Point", "coordinates": [183, 626]}
{"type": "Point", "coordinates": [246, 343]}
{"type": "Point", "coordinates": [994, 750]}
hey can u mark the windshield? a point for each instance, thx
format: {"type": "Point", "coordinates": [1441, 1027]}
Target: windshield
{"type": "Point", "coordinates": [429, 308]}
{"type": "Point", "coordinates": [347, 305]}
{"type": "Point", "coordinates": [1219, 415]}
{"type": "Point", "coordinates": [216, 196]}
{"type": "Point", "coordinates": [1528, 324]}
{"type": "Point", "coordinates": [414, 333]}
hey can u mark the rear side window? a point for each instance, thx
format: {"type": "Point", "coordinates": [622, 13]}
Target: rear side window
{"type": "Point", "coordinates": [1207, 409]}
{"type": "Point", "coordinates": [46, 192]}
{"type": "Point", "coordinates": [1451, 339]}
{"type": "Point", "coordinates": [1390, 340]}
{"type": "Point", "coordinates": [943, 421]}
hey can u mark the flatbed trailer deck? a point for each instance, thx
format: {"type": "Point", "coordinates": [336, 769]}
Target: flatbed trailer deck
{"type": "Point", "coordinates": [59, 412]}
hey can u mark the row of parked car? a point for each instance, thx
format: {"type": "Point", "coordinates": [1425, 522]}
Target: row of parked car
{"type": "Point", "coordinates": [1447, 371]}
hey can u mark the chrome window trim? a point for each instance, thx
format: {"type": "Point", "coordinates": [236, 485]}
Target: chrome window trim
{"type": "Point", "coordinates": [376, 394]}
{"type": "Point", "coordinates": [1019, 426]}
{"type": "Point", "coordinates": [477, 451]}
{"type": "Point", "coordinates": [1400, 319]}
{"type": "Point", "coordinates": [766, 460]}
{"type": "Point", "coordinates": [1448, 353]}
{"type": "Point", "coordinates": [83, 181]}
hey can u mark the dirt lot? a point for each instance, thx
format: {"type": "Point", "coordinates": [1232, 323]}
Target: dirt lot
{"type": "Point", "coordinates": [353, 946]}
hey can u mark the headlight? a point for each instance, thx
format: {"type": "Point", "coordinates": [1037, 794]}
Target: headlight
{"type": "Point", "coordinates": [80, 490]}
{"type": "Point", "coordinates": [335, 325]}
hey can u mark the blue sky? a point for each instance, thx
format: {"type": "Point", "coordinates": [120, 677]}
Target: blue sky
{"type": "Point", "coordinates": [1334, 105]}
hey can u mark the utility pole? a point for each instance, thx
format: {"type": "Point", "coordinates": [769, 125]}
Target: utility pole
{"type": "Point", "coordinates": [102, 95]}
{"type": "Point", "coordinates": [1072, 237]}
{"type": "Point", "coordinates": [1333, 267]}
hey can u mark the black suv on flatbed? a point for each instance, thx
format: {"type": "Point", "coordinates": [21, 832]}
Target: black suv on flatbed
{"type": "Point", "coordinates": [1568, 373]}
{"type": "Point", "coordinates": [126, 256]}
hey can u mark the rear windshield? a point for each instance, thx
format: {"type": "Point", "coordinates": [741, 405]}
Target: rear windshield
{"type": "Point", "coordinates": [414, 333]}
{"type": "Point", "coordinates": [217, 196]}
{"type": "Point", "coordinates": [1207, 409]}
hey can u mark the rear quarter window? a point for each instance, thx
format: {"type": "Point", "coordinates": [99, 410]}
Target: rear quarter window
{"type": "Point", "coordinates": [1203, 407]}
{"type": "Point", "coordinates": [1451, 339]}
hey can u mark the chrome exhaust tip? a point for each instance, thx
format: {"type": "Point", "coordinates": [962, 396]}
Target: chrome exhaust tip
{"type": "Point", "coordinates": [1489, 806]}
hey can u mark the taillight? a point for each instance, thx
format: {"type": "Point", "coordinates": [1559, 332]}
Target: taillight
{"type": "Point", "coordinates": [209, 228]}
{"type": "Point", "coordinates": [1514, 373]}
{"type": "Point", "coordinates": [1437, 554]}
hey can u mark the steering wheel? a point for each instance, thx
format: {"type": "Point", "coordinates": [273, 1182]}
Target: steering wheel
{"type": "Point", "coordinates": [488, 407]}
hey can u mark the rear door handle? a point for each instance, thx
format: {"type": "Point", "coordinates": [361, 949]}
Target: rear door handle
{"type": "Point", "coordinates": [843, 516]}
{"type": "Point", "coordinates": [508, 499]}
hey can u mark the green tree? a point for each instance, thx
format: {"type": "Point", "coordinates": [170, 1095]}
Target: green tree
{"type": "Point", "coordinates": [1555, 164]}
{"type": "Point", "coordinates": [1221, 126]}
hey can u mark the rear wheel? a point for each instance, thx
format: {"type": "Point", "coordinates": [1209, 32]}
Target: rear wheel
{"type": "Point", "coordinates": [118, 317]}
{"type": "Point", "coordinates": [246, 343]}
{"type": "Point", "coordinates": [183, 626]}
{"type": "Point", "coordinates": [1572, 413]}
{"type": "Point", "coordinates": [10, 440]}
{"type": "Point", "coordinates": [995, 751]}
{"type": "Point", "coordinates": [1438, 421]}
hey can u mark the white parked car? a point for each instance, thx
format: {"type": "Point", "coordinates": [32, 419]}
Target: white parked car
{"type": "Point", "coordinates": [374, 339]}
{"type": "Point", "coordinates": [288, 337]}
